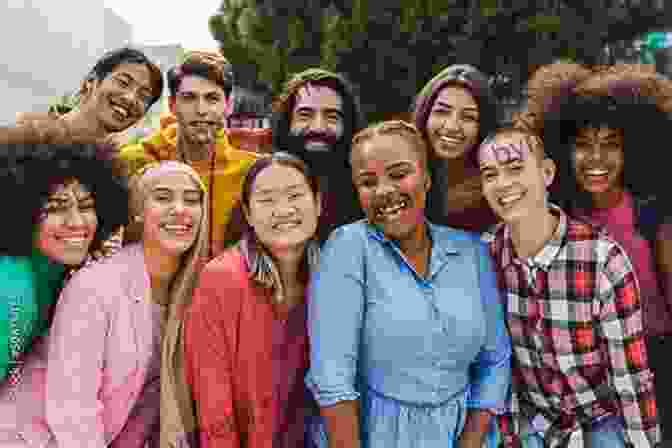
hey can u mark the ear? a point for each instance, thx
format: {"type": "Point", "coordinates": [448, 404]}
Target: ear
{"type": "Point", "coordinates": [229, 105]}
{"type": "Point", "coordinates": [86, 89]}
{"type": "Point", "coordinates": [428, 180]}
{"type": "Point", "coordinates": [246, 212]}
{"type": "Point", "coordinates": [548, 170]}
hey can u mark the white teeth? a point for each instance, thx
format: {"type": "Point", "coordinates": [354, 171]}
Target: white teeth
{"type": "Point", "coordinates": [176, 228]}
{"type": "Point", "coordinates": [286, 225]}
{"type": "Point", "coordinates": [392, 210]}
{"type": "Point", "coordinates": [451, 140]}
{"type": "Point", "coordinates": [509, 199]}
{"type": "Point", "coordinates": [597, 172]}
{"type": "Point", "coordinates": [121, 110]}
{"type": "Point", "coordinates": [74, 241]}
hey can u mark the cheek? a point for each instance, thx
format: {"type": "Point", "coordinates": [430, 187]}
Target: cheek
{"type": "Point", "coordinates": [45, 235]}
{"type": "Point", "coordinates": [365, 197]}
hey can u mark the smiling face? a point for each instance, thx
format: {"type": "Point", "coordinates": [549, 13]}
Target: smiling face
{"type": "Point", "coordinates": [121, 99]}
{"type": "Point", "coordinates": [172, 213]}
{"type": "Point", "coordinates": [598, 160]}
{"type": "Point", "coordinates": [318, 117]}
{"type": "Point", "coordinates": [453, 123]}
{"type": "Point", "coordinates": [515, 176]}
{"type": "Point", "coordinates": [200, 106]}
{"type": "Point", "coordinates": [392, 183]}
{"type": "Point", "coordinates": [282, 209]}
{"type": "Point", "coordinates": [68, 224]}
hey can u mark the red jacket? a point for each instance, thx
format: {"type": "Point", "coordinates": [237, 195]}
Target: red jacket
{"type": "Point", "coordinates": [230, 366]}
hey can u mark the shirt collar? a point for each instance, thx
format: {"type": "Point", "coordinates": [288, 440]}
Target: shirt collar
{"type": "Point", "coordinates": [547, 254]}
{"type": "Point", "coordinates": [440, 240]}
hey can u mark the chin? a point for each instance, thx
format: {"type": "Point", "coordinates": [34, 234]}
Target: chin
{"type": "Point", "coordinates": [176, 248]}
{"type": "Point", "coordinates": [73, 259]}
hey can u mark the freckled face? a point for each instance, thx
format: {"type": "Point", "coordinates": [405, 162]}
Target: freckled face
{"type": "Point", "coordinates": [453, 123]}
{"type": "Point", "coordinates": [172, 214]}
{"type": "Point", "coordinates": [392, 184]}
{"type": "Point", "coordinates": [68, 224]}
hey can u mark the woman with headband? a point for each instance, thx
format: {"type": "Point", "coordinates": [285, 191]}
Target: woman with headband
{"type": "Point", "coordinates": [116, 332]}
{"type": "Point", "coordinates": [454, 111]}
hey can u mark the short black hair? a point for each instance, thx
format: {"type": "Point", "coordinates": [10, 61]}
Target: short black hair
{"type": "Point", "coordinates": [32, 171]}
{"type": "Point", "coordinates": [127, 55]}
{"type": "Point", "coordinates": [219, 73]}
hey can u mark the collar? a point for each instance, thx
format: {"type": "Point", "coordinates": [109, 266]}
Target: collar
{"type": "Point", "coordinates": [548, 252]}
{"type": "Point", "coordinates": [163, 143]}
{"type": "Point", "coordinates": [441, 238]}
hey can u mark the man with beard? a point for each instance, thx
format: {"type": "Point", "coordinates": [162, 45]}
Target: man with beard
{"type": "Point", "coordinates": [315, 118]}
{"type": "Point", "coordinates": [200, 96]}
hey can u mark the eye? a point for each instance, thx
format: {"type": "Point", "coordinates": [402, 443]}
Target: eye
{"type": "Point", "coordinates": [87, 204]}
{"type": "Point", "coordinates": [123, 82]}
{"type": "Point", "coordinates": [366, 183]}
{"type": "Point", "coordinates": [294, 196]}
{"type": "Point", "coordinates": [470, 118]}
{"type": "Point", "coordinates": [398, 175]}
{"type": "Point", "coordinates": [264, 201]}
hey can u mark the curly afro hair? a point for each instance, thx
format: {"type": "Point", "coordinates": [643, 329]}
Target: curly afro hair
{"type": "Point", "coordinates": [563, 98]}
{"type": "Point", "coordinates": [33, 171]}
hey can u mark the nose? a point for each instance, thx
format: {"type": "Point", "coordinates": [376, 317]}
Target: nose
{"type": "Point", "coordinates": [596, 152]}
{"type": "Point", "coordinates": [451, 122]}
{"type": "Point", "coordinates": [178, 206]}
{"type": "Point", "coordinates": [74, 217]}
{"type": "Point", "coordinates": [504, 182]}
{"type": "Point", "coordinates": [201, 106]}
{"type": "Point", "coordinates": [319, 122]}
{"type": "Point", "coordinates": [384, 188]}
{"type": "Point", "coordinates": [284, 210]}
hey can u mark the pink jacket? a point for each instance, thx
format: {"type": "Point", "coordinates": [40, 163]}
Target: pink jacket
{"type": "Point", "coordinates": [102, 385]}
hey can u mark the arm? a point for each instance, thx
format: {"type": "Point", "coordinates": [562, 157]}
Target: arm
{"type": "Point", "coordinates": [142, 424]}
{"type": "Point", "coordinates": [75, 365]}
{"type": "Point", "coordinates": [208, 359]}
{"type": "Point", "coordinates": [491, 371]}
{"type": "Point", "coordinates": [620, 322]}
{"type": "Point", "coordinates": [335, 316]}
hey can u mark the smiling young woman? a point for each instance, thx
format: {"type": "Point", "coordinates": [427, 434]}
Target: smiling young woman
{"type": "Point", "coordinates": [246, 339]}
{"type": "Point", "coordinates": [71, 199]}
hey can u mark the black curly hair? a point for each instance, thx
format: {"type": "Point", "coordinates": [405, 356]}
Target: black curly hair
{"type": "Point", "coordinates": [32, 171]}
{"type": "Point", "coordinates": [641, 122]}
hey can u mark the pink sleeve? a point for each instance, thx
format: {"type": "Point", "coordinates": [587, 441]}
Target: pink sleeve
{"type": "Point", "coordinates": [143, 423]}
{"type": "Point", "coordinates": [75, 365]}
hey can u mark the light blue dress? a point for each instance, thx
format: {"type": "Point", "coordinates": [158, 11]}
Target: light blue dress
{"type": "Point", "coordinates": [417, 352]}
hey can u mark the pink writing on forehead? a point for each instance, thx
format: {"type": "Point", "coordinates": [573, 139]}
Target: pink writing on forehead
{"type": "Point", "coordinates": [504, 153]}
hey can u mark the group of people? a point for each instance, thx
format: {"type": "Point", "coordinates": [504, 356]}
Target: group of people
{"type": "Point", "coordinates": [445, 282]}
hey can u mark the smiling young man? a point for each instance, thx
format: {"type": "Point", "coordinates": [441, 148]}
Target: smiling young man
{"type": "Point", "coordinates": [581, 373]}
{"type": "Point", "coordinates": [200, 98]}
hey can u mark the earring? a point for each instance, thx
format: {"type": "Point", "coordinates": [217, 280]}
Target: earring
{"type": "Point", "coordinates": [137, 218]}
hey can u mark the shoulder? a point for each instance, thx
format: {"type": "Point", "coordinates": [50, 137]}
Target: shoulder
{"type": "Point", "coordinates": [459, 240]}
{"type": "Point", "coordinates": [15, 273]}
{"type": "Point", "coordinates": [350, 235]}
{"type": "Point", "coordinates": [224, 277]}
{"type": "Point", "coordinates": [233, 153]}
{"type": "Point", "coordinates": [109, 276]}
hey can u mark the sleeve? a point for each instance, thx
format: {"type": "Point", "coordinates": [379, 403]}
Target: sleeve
{"type": "Point", "coordinates": [208, 359]}
{"type": "Point", "coordinates": [620, 321]}
{"type": "Point", "coordinates": [491, 371]}
{"type": "Point", "coordinates": [75, 364]}
{"type": "Point", "coordinates": [335, 318]}
{"type": "Point", "coordinates": [142, 424]}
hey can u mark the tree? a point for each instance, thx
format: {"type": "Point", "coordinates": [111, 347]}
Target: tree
{"type": "Point", "coordinates": [390, 48]}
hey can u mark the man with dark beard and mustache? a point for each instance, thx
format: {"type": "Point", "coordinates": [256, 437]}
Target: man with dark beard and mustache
{"type": "Point", "coordinates": [315, 118]}
{"type": "Point", "coordinates": [200, 98]}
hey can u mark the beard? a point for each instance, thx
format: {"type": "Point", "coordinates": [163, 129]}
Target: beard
{"type": "Point", "coordinates": [322, 163]}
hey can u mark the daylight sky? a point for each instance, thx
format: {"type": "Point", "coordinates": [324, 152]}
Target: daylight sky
{"type": "Point", "coordinates": [168, 21]}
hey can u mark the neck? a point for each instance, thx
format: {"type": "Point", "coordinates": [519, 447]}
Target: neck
{"type": "Point", "coordinates": [532, 233]}
{"type": "Point", "coordinates": [608, 199]}
{"type": "Point", "coordinates": [160, 267]}
{"type": "Point", "coordinates": [418, 243]}
{"type": "Point", "coordinates": [192, 152]}
{"type": "Point", "coordinates": [79, 120]}
{"type": "Point", "coordinates": [288, 263]}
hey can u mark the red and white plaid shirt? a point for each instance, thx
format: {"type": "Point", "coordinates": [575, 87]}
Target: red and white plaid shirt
{"type": "Point", "coordinates": [575, 319]}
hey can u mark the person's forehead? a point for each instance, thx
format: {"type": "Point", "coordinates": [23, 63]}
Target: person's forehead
{"type": "Point", "coordinates": [139, 72]}
{"type": "Point", "coordinates": [506, 148]}
{"type": "Point", "coordinates": [317, 97]}
{"type": "Point", "coordinates": [385, 150]}
{"type": "Point", "coordinates": [199, 84]}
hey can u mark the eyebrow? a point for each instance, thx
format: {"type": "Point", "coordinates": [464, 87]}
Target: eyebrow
{"type": "Point", "coordinates": [272, 190]}
{"type": "Point", "coordinates": [403, 163]}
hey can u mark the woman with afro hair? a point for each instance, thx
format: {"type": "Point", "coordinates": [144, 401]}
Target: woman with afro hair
{"type": "Point", "coordinates": [63, 201]}
{"type": "Point", "coordinates": [604, 126]}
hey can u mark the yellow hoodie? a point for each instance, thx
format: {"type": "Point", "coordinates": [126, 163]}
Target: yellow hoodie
{"type": "Point", "coordinates": [231, 165]}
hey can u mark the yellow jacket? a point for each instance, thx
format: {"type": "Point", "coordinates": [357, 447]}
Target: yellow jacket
{"type": "Point", "coordinates": [231, 165]}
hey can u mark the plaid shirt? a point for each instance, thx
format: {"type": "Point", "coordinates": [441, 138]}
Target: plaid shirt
{"type": "Point", "coordinates": [575, 319]}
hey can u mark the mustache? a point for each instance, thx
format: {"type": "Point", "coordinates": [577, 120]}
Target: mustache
{"type": "Point", "coordinates": [327, 137]}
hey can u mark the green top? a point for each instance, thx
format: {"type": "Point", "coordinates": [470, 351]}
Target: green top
{"type": "Point", "coordinates": [28, 288]}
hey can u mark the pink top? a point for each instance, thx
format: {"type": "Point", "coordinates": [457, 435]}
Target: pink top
{"type": "Point", "coordinates": [620, 222]}
{"type": "Point", "coordinates": [245, 365]}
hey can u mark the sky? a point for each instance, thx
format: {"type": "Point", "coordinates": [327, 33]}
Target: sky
{"type": "Point", "coordinates": [167, 21]}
